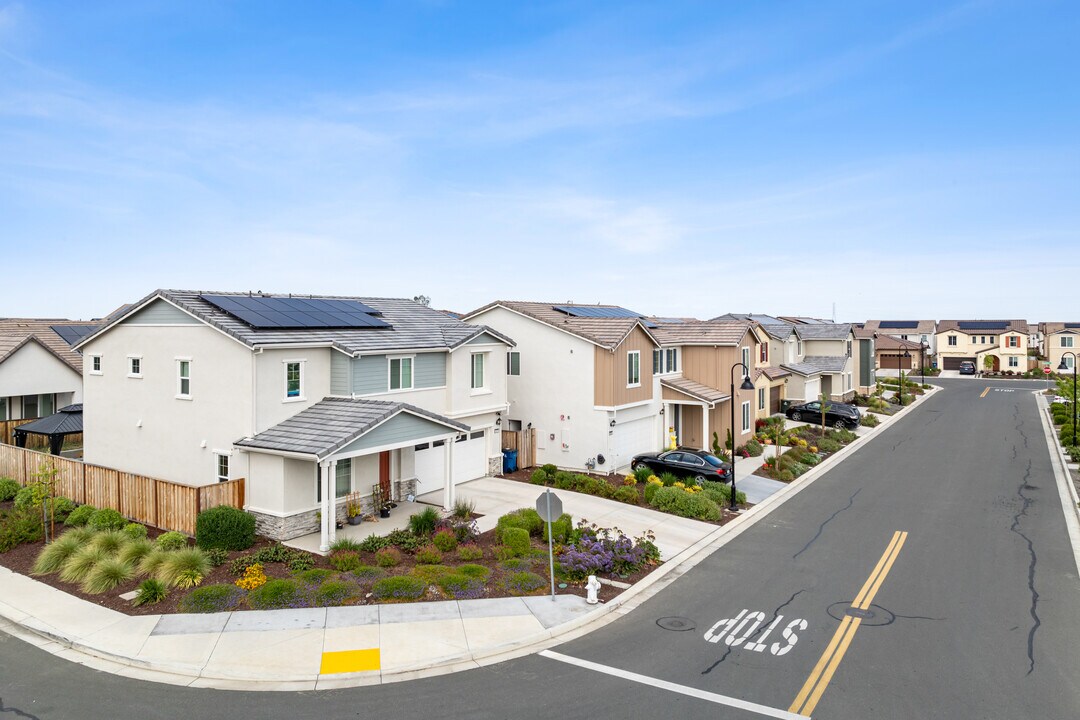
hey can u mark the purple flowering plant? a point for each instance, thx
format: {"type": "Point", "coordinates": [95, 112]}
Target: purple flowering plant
{"type": "Point", "coordinates": [594, 550]}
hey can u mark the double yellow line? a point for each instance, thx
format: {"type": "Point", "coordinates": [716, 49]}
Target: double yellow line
{"type": "Point", "coordinates": [815, 685]}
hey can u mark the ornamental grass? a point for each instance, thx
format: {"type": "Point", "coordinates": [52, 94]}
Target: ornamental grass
{"type": "Point", "coordinates": [53, 557]}
{"type": "Point", "coordinates": [106, 575]}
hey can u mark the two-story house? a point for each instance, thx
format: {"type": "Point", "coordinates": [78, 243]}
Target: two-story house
{"type": "Point", "coordinates": [916, 331]}
{"type": "Point", "coordinates": [309, 398]}
{"type": "Point", "coordinates": [1004, 342]}
{"type": "Point", "coordinates": [39, 370]}
{"type": "Point", "coordinates": [1060, 338]}
{"type": "Point", "coordinates": [581, 376]}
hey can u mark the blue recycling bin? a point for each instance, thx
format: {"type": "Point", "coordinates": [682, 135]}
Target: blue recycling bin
{"type": "Point", "coordinates": [509, 461]}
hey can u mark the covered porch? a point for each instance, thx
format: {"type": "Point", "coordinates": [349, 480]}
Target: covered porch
{"type": "Point", "coordinates": [687, 407]}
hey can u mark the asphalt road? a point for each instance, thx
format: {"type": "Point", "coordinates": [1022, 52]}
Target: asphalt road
{"type": "Point", "coordinates": [929, 575]}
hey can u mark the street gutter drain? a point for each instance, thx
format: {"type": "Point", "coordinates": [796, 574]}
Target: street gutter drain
{"type": "Point", "coordinates": [859, 613]}
{"type": "Point", "coordinates": [676, 624]}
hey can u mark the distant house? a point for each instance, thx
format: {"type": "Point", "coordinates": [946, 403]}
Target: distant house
{"type": "Point", "coordinates": [39, 370]}
{"type": "Point", "coordinates": [1060, 338]}
{"type": "Point", "coordinates": [917, 331]}
{"type": "Point", "coordinates": [1003, 342]}
{"type": "Point", "coordinates": [309, 398]}
{"type": "Point", "coordinates": [890, 354]}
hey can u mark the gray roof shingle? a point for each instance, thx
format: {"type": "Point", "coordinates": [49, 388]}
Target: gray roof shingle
{"type": "Point", "coordinates": [608, 332]}
{"type": "Point", "coordinates": [696, 390]}
{"type": "Point", "coordinates": [826, 363]}
{"type": "Point", "coordinates": [828, 331]}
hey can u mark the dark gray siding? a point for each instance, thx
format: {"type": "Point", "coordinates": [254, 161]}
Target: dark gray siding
{"type": "Point", "coordinates": [160, 312]}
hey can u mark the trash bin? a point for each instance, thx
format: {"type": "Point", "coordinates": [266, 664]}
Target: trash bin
{"type": "Point", "coordinates": [509, 461]}
{"type": "Point", "coordinates": [784, 405]}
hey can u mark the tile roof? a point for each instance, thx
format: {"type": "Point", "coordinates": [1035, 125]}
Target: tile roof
{"type": "Point", "coordinates": [1020, 326]}
{"type": "Point", "coordinates": [922, 327]}
{"type": "Point", "coordinates": [887, 342]}
{"type": "Point", "coordinates": [775, 373]}
{"type": "Point", "coordinates": [695, 390]}
{"type": "Point", "coordinates": [830, 331]}
{"type": "Point", "coordinates": [606, 332]}
{"type": "Point", "coordinates": [1055, 327]}
{"type": "Point", "coordinates": [803, 368]}
{"type": "Point", "coordinates": [780, 331]}
{"type": "Point", "coordinates": [701, 333]}
{"type": "Point", "coordinates": [751, 317]}
{"type": "Point", "coordinates": [413, 326]}
{"type": "Point", "coordinates": [333, 423]}
{"type": "Point", "coordinates": [15, 331]}
{"type": "Point", "coordinates": [826, 363]}
{"type": "Point", "coordinates": [805, 320]}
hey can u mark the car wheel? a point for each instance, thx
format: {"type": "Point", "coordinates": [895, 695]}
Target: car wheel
{"type": "Point", "coordinates": [839, 424]}
{"type": "Point", "coordinates": [700, 480]}
{"type": "Point", "coordinates": [796, 416]}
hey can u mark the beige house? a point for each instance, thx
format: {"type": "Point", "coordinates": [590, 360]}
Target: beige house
{"type": "Point", "coordinates": [1060, 338]}
{"type": "Point", "coordinates": [916, 331]}
{"type": "Point", "coordinates": [995, 345]}
{"type": "Point", "coordinates": [890, 354]}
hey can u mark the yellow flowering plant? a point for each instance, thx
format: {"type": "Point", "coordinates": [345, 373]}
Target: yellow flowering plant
{"type": "Point", "coordinates": [253, 577]}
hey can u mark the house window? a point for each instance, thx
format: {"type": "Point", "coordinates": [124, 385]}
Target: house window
{"type": "Point", "coordinates": [477, 371]}
{"type": "Point", "coordinates": [1014, 361]}
{"type": "Point", "coordinates": [3, 408]}
{"type": "Point", "coordinates": [922, 339]}
{"type": "Point", "coordinates": [222, 467]}
{"type": "Point", "coordinates": [849, 348]}
{"type": "Point", "coordinates": [993, 339]}
{"type": "Point", "coordinates": [761, 398]}
{"type": "Point", "coordinates": [135, 366]}
{"type": "Point", "coordinates": [764, 352]}
{"type": "Point", "coordinates": [30, 407]}
{"type": "Point", "coordinates": [183, 379]}
{"type": "Point", "coordinates": [633, 368]}
{"type": "Point", "coordinates": [800, 348]}
{"type": "Point", "coordinates": [294, 379]}
{"type": "Point", "coordinates": [343, 477]}
{"type": "Point", "coordinates": [903, 337]}
{"type": "Point", "coordinates": [1068, 361]}
{"type": "Point", "coordinates": [1066, 342]}
{"type": "Point", "coordinates": [657, 356]}
{"type": "Point", "coordinates": [401, 373]}
{"type": "Point", "coordinates": [1013, 341]}
{"type": "Point", "coordinates": [952, 341]}
{"type": "Point", "coordinates": [672, 364]}
{"type": "Point", "coordinates": [746, 359]}
{"type": "Point", "coordinates": [746, 417]}
{"type": "Point", "coordinates": [95, 364]}
{"type": "Point", "coordinates": [513, 363]}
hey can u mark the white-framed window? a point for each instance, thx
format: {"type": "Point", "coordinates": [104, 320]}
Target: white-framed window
{"type": "Point", "coordinates": [799, 348]}
{"type": "Point", "coordinates": [1068, 361]}
{"type": "Point", "coordinates": [95, 365]}
{"type": "Point", "coordinates": [294, 379]}
{"type": "Point", "coordinates": [183, 378]}
{"type": "Point", "coordinates": [343, 477]}
{"type": "Point", "coordinates": [633, 368]}
{"type": "Point", "coordinates": [1014, 361]}
{"type": "Point", "coordinates": [952, 341]}
{"type": "Point", "coordinates": [922, 339]}
{"type": "Point", "coordinates": [993, 339]}
{"type": "Point", "coordinates": [657, 361]}
{"type": "Point", "coordinates": [764, 352]}
{"type": "Point", "coordinates": [1066, 341]}
{"type": "Point", "coordinates": [477, 365]}
{"type": "Point", "coordinates": [513, 363]}
{"type": "Point", "coordinates": [671, 360]}
{"type": "Point", "coordinates": [222, 465]}
{"type": "Point", "coordinates": [849, 348]}
{"type": "Point", "coordinates": [1013, 341]}
{"type": "Point", "coordinates": [761, 398]}
{"type": "Point", "coordinates": [746, 417]}
{"type": "Point", "coordinates": [134, 366]}
{"type": "Point", "coordinates": [746, 358]}
{"type": "Point", "coordinates": [401, 373]}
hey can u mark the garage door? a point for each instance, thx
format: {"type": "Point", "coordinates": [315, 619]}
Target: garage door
{"type": "Point", "coordinates": [632, 438]}
{"type": "Point", "coordinates": [953, 363]}
{"type": "Point", "coordinates": [470, 461]}
{"type": "Point", "coordinates": [430, 464]}
{"type": "Point", "coordinates": [894, 362]}
{"type": "Point", "coordinates": [774, 400]}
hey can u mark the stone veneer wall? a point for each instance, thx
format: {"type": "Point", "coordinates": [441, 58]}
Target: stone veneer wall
{"type": "Point", "coordinates": [495, 465]}
{"type": "Point", "coordinates": [307, 523]}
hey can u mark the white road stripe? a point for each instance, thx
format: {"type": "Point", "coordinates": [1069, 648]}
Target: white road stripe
{"type": "Point", "coordinates": [672, 687]}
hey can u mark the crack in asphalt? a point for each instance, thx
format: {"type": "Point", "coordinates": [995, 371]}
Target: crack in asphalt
{"type": "Point", "coordinates": [776, 613]}
{"type": "Point", "coordinates": [851, 501]}
{"type": "Point", "coordinates": [1015, 528]}
{"type": "Point", "coordinates": [17, 712]}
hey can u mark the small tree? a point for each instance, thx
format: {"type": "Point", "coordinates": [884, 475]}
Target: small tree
{"type": "Point", "coordinates": [825, 407]}
{"type": "Point", "coordinates": [988, 363]}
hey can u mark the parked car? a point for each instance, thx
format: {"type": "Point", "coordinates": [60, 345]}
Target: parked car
{"type": "Point", "coordinates": [839, 415]}
{"type": "Point", "coordinates": [967, 368]}
{"type": "Point", "coordinates": [696, 465]}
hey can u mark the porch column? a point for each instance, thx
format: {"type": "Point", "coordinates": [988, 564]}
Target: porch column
{"type": "Point", "coordinates": [332, 524]}
{"type": "Point", "coordinates": [448, 475]}
{"type": "Point", "coordinates": [324, 508]}
{"type": "Point", "coordinates": [705, 428]}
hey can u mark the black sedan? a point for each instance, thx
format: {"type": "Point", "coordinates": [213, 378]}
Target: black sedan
{"type": "Point", "coordinates": [696, 465]}
{"type": "Point", "coordinates": [839, 415]}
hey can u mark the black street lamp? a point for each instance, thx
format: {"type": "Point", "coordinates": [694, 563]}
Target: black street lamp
{"type": "Point", "coordinates": [1063, 366]}
{"type": "Point", "coordinates": [922, 361]}
{"type": "Point", "coordinates": [906, 357]}
{"type": "Point", "coordinates": [746, 385]}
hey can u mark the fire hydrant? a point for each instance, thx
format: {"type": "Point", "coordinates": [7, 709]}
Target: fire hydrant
{"type": "Point", "coordinates": [593, 587]}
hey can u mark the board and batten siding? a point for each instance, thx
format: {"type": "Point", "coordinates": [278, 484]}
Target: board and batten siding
{"type": "Point", "coordinates": [403, 427]}
{"type": "Point", "coordinates": [610, 372]}
{"type": "Point", "coordinates": [160, 312]}
{"type": "Point", "coordinates": [340, 377]}
{"type": "Point", "coordinates": [371, 373]}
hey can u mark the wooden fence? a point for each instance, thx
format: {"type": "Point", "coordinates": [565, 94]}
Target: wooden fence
{"type": "Point", "coordinates": [163, 504]}
{"type": "Point", "coordinates": [524, 441]}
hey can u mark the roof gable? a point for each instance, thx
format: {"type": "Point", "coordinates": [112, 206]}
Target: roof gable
{"type": "Point", "coordinates": [607, 332]}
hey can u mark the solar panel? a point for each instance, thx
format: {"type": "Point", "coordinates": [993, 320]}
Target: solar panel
{"type": "Point", "coordinates": [593, 311]}
{"type": "Point", "coordinates": [983, 325]}
{"type": "Point", "coordinates": [898, 324]}
{"type": "Point", "coordinates": [261, 311]}
{"type": "Point", "coordinates": [1072, 326]}
{"type": "Point", "coordinates": [72, 334]}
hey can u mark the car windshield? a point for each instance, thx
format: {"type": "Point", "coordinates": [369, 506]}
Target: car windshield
{"type": "Point", "coordinates": [713, 460]}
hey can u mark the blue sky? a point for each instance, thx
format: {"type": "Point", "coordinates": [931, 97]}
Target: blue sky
{"type": "Point", "coordinates": [898, 159]}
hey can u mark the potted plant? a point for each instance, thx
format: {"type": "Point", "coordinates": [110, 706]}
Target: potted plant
{"type": "Point", "coordinates": [384, 509]}
{"type": "Point", "coordinates": [354, 512]}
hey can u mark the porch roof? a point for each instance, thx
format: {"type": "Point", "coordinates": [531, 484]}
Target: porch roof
{"type": "Point", "coordinates": [332, 423]}
{"type": "Point", "coordinates": [696, 390]}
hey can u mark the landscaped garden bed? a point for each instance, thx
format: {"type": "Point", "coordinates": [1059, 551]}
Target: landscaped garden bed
{"type": "Point", "coordinates": [804, 447]}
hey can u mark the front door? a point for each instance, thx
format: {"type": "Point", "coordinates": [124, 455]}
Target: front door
{"type": "Point", "coordinates": [676, 422]}
{"type": "Point", "coordinates": [384, 473]}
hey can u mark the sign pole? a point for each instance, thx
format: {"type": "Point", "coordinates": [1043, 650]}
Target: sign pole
{"type": "Point", "coordinates": [551, 550]}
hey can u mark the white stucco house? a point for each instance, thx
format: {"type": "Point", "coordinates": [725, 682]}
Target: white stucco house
{"type": "Point", "coordinates": [309, 398]}
{"type": "Point", "coordinates": [39, 370]}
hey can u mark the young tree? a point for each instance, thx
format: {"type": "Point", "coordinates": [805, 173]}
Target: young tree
{"type": "Point", "coordinates": [825, 407]}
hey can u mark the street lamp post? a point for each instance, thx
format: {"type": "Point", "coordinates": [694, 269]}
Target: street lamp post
{"type": "Point", "coordinates": [1063, 366]}
{"type": "Point", "coordinates": [906, 357]}
{"type": "Point", "coordinates": [746, 385]}
{"type": "Point", "coordinates": [922, 361]}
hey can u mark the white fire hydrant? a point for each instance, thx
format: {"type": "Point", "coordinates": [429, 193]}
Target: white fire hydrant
{"type": "Point", "coordinates": [593, 587]}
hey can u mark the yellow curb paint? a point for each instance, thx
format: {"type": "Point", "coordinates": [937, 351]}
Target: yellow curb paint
{"type": "Point", "coordinates": [984, 392]}
{"type": "Point", "coordinates": [347, 661]}
{"type": "Point", "coordinates": [822, 674]}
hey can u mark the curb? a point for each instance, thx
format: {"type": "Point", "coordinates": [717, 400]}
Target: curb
{"type": "Point", "coordinates": [1066, 488]}
{"type": "Point", "coordinates": [75, 650]}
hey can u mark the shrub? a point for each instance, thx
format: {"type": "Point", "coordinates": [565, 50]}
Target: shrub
{"type": "Point", "coordinates": [842, 435]}
{"type": "Point", "coordinates": [212, 599]}
{"type": "Point", "coordinates": [785, 476]}
{"type": "Point", "coordinates": [333, 592]}
{"type": "Point", "coordinates": [20, 527]}
{"type": "Point", "coordinates": [151, 562]}
{"type": "Point", "coordinates": [344, 543]}
{"type": "Point", "coordinates": [475, 571]}
{"type": "Point", "coordinates": [406, 540]}
{"type": "Point", "coordinates": [79, 565]}
{"type": "Point", "coordinates": [561, 528]}
{"type": "Point", "coordinates": [184, 568]}
{"type": "Point", "coordinates": [62, 507]}
{"type": "Point", "coordinates": [134, 551]}
{"type": "Point", "coordinates": [719, 493]}
{"type": "Point", "coordinates": [811, 459]}
{"type": "Point", "coordinates": [828, 446]}
{"type": "Point", "coordinates": [315, 576]}
{"type": "Point", "coordinates": [430, 574]}
{"type": "Point", "coordinates": [135, 531]}
{"type": "Point", "coordinates": [28, 497]}
{"type": "Point", "coordinates": [550, 469]}
{"type": "Point", "coordinates": [106, 575]}
{"type": "Point", "coordinates": [428, 555]}
{"type": "Point", "coordinates": [753, 447]}
{"type": "Point", "coordinates": [422, 524]}
{"type": "Point", "coordinates": [79, 516]}
{"type": "Point", "coordinates": [539, 477]}
{"type": "Point", "coordinates": [403, 588]}
{"type": "Point", "coordinates": [523, 583]}
{"type": "Point", "coordinates": [445, 540]}
{"type": "Point", "coordinates": [242, 563]}
{"type": "Point", "coordinates": [373, 543]}
{"type": "Point", "coordinates": [276, 595]}
{"type": "Point", "coordinates": [299, 561]}
{"type": "Point", "coordinates": [388, 557]}
{"type": "Point", "coordinates": [225, 527]}
{"type": "Point", "coordinates": [517, 540]}
{"type": "Point", "coordinates": [254, 577]}
{"type": "Point", "coordinates": [564, 480]}
{"type": "Point", "coordinates": [627, 495]}
{"type": "Point", "coordinates": [679, 502]}
{"type": "Point", "coordinates": [8, 488]}
{"type": "Point", "coordinates": [650, 491]}
{"type": "Point", "coordinates": [1066, 433]}
{"type": "Point", "coordinates": [171, 540]}
{"type": "Point", "coordinates": [345, 560]}
{"type": "Point", "coordinates": [150, 592]}
{"type": "Point", "coordinates": [217, 556]}
{"type": "Point", "coordinates": [110, 541]}
{"type": "Point", "coordinates": [273, 553]}
{"type": "Point", "coordinates": [106, 519]}
{"type": "Point", "coordinates": [470, 552]}
{"type": "Point", "coordinates": [642, 473]}
{"type": "Point", "coordinates": [463, 509]}
{"type": "Point", "coordinates": [462, 587]}
{"type": "Point", "coordinates": [869, 420]}
{"type": "Point", "coordinates": [526, 519]}
{"type": "Point", "coordinates": [55, 554]}
{"type": "Point", "coordinates": [368, 573]}
{"type": "Point", "coordinates": [515, 564]}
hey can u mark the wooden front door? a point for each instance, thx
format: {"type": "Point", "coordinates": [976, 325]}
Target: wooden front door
{"type": "Point", "coordinates": [384, 473]}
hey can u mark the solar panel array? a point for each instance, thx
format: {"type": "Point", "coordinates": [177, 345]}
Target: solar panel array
{"type": "Point", "coordinates": [260, 311]}
{"type": "Point", "coordinates": [898, 324]}
{"type": "Point", "coordinates": [983, 325]}
{"type": "Point", "coordinates": [72, 333]}
{"type": "Point", "coordinates": [593, 311]}
{"type": "Point", "coordinates": [1072, 326]}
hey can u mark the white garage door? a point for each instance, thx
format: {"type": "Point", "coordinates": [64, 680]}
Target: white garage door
{"type": "Point", "coordinates": [632, 438]}
{"type": "Point", "coordinates": [813, 389]}
{"type": "Point", "coordinates": [470, 461]}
